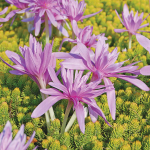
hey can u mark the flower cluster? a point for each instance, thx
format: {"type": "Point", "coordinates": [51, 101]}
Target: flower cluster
{"type": "Point", "coordinates": [18, 143]}
{"type": "Point", "coordinates": [78, 88]}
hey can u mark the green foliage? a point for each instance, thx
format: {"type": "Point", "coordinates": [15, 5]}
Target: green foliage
{"type": "Point", "coordinates": [4, 113]}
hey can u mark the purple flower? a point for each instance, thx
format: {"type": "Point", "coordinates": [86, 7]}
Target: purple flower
{"type": "Point", "coordinates": [84, 36]}
{"type": "Point", "coordinates": [3, 12]}
{"type": "Point", "coordinates": [16, 3]}
{"type": "Point", "coordinates": [18, 143]}
{"type": "Point", "coordinates": [39, 8]}
{"type": "Point", "coordinates": [133, 24]}
{"type": "Point", "coordinates": [74, 10]}
{"type": "Point", "coordinates": [103, 65]}
{"type": "Point", "coordinates": [76, 91]}
{"type": "Point", "coordinates": [35, 61]}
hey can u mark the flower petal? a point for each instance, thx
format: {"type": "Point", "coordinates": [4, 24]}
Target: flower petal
{"type": "Point", "coordinates": [145, 70]}
{"type": "Point", "coordinates": [45, 106]}
{"type": "Point", "coordinates": [111, 97]}
{"type": "Point", "coordinates": [145, 42]}
{"type": "Point", "coordinates": [80, 116]}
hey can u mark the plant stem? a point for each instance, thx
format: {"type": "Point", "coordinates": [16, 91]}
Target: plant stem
{"type": "Point", "coordinates": [71, 121]}
{"type": "Point", "coordinates": [73, 37]}
{"type": "Point", "coordinates": [130, 40]}
{"type": "Point", "coordinates": [44, 96]}
{"type": "Point", "coordinates": [46, 28]}
{"type": "Point", "coordinates": [73, 118]}
{"type": "Point", "coordinates": [70, 103]}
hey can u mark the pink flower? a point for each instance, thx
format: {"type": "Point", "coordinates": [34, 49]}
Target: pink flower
{"type": "Point", "coordinates": [35, 61]}
{"type": "Point", "coordinates": [84, 36]}
{"type": "Point", "coordinates": [133, 24]}
{"type": "Point", "coordinates": [76, 91]}
{"type": "Point", "coordinates": [39, 8]}
{"type": "Point", "coordinates": [74, 10]}
{"type": "Point", "coordinates": [3, 12]}
{"type": "Point", "coordinates": [18, 143]}
{"type": "Point", "coordinates": [16, 3]}
{"type": "Point", "coordinates": [103, 66]}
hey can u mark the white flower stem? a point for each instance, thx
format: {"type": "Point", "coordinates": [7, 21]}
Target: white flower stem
{"type": "Point", "coordinates": [71, 121]}
{"type": "Point", "coordinates": [73, 37]}
{"type": "Point", "coordinates": [130, 40]}
{"type": "Point", "coordinates": [46, 28]}
{"type": "Point", "coordinates": [73, 118]}
{"type": "Point", "coordinates": [51, 112]}
{"type": "Point", "coordinates": [70, 103]}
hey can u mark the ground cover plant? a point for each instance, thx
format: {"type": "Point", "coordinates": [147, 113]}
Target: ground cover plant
{"type": "Point", "coordinates": [110, 93]}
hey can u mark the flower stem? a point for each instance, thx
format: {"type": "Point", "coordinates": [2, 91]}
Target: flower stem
{"type": "Point", "coordinates": [71, 121]}
{"type": "Point", "coordinates": [73, 37]}
{"type": "Point", "coordinates": [44, 96]}
{"type": "Point", "coordinates": [70, 103]}
{"type": "Point", "coordinates": [130, 40]}
{"type": "Point", "coordinates": [73, 118]}
{"type": "Point", "coordinates": [46, 28]}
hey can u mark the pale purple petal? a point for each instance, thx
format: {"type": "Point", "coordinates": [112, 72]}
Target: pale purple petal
{"type": "Point", "coordinates": [93, 114]}
{"type": "Point", "coordinates": [111, 97]}
{"type": "Point", "coordinates": [145, 42]}
{"type": "Point", "coordinates": [80, 116]}
{"type": "Point", "coordinates": [51, 91]}
{"type": "Point", "coordinates": [87, 16]}
{"type": "Point", "coordinates": [140, 84]}
{"type": "Point", "coordinates": [145, 70]}
{"type": "Point", "coordinates": [78, 64]}
{"type": "Point", "coordinates": [45, 106]}
{"type": "Point", "coordinates": [120, 30]}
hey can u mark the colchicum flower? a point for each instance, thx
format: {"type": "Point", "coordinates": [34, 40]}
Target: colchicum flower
{"type": "Point", "coordinates": [76, 91]}
{"type": "Point", "coordinates": [45, 7]}
{"type": "Point", "coordinates": [84, 36]}
{"type": "Point", "coordinates": [103, 66]}
{"type": "Point", "coordinates": [18, 143]}
{"type": "Point", "coordinates": [16, 3]}
{"type": "Point", "coordinates": [74, 10]}
{"type": "Point", "coordinates": [35, 61]}
{"type": "Point", "coordinates": [133, 24]}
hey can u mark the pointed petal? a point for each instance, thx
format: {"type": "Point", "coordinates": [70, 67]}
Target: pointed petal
{"type": "Point", "coordinates": [87, 16]}
{"type": "Point", "coordinates": [140, 84]}
{"type": "Point", "coordinates": [119, 16]}
{"type": "Point", "coordinates": [14, 57]}
{"type": "Point", "coordinates": [111, 97]}
{"type": "Point", "coordinates": [145, 70]}
{"type": "Point", "coordinates": [93, 114]}
{"type": "Point", "coordinates": [145, 42]}
{"type": "Point", "coordinates": [80, 116]}
{"type": "Point", "coordinates": [51, 17]}
{"type": "Point", "coordinates": [53, 75]}
{"type": "Point", "coordinates": [51, 91]}
{"type": "Point", "coordinates": [120, 30]}
{"type": "Point", "coordinates": [77, 64]}
{"type": "Point", "coordinates": [45, 106]}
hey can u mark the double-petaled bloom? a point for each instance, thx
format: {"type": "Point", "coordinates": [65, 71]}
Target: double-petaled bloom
{"type": "Point", "coordinates": [74, 10]}
{"type": "Point", "coordinates": [75, 89]}
{"type": "Point", "coordinates": [18, 143]}
{"type": "Point", "coordinates": [40, 8]}
{"type": "Point", "coordinates": [35, 61]}
{"type": "Point", "coordinates": [13, 13]}
{"type": "Point", "coordinates": [103, 66]}
{"type": "Point", "coordinates": [133, 24]}
{"type": "Point", "coordinates": [84, 36]}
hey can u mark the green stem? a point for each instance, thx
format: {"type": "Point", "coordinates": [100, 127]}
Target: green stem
{"type": "Point", "coordinates": [46, 28]}
{"type": "Point", "coordinates": [70, 103]}
{"type": "Point", "coordinates": [130, 40]}
{"type": "Point", "coordinates": [73, 37]}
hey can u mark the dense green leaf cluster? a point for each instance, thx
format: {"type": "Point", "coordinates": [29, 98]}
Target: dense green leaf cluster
{"type": "Point", "coordinates": [19, 95]}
